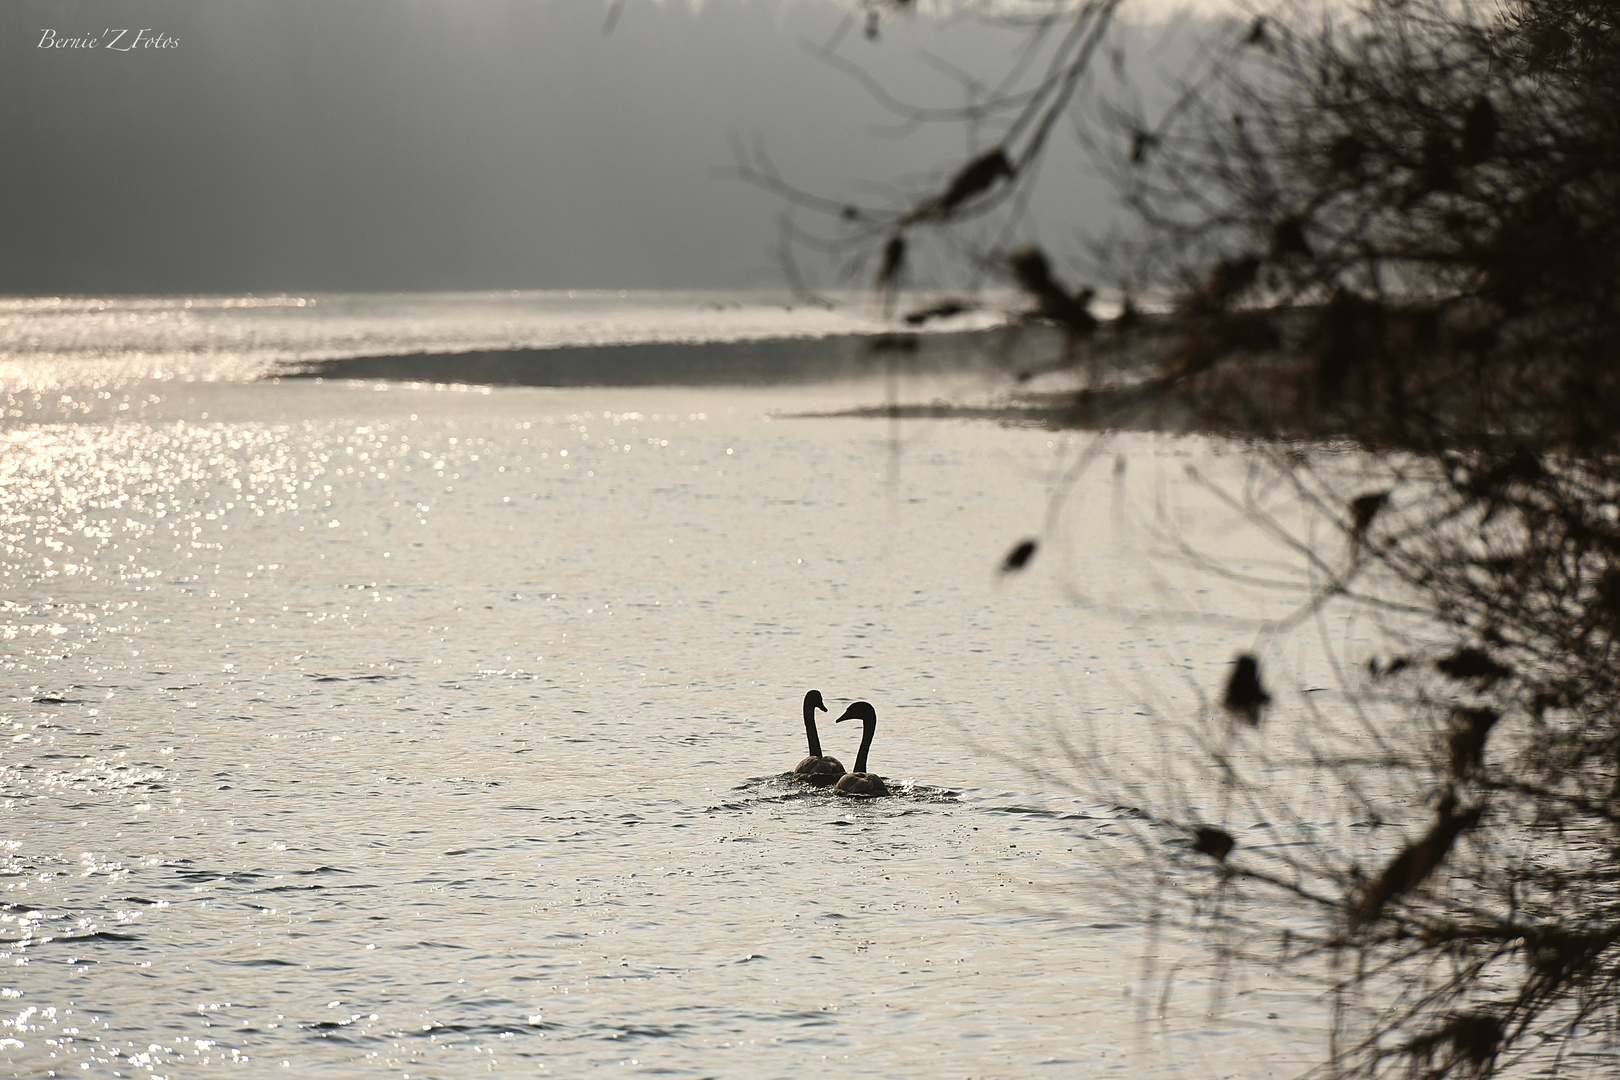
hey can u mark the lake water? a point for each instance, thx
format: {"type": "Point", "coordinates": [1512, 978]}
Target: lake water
{"type": "Point", "coordinates": [367, 729]}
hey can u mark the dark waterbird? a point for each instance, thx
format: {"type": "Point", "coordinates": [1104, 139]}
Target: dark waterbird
{"type": "Point", "coordinates": [817, 769]}
{"type": "Point", "coordinates": [861, 782]}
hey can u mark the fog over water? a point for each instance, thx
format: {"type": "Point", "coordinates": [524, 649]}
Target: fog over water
{"type": "Point", "coordinates": [469, 144]}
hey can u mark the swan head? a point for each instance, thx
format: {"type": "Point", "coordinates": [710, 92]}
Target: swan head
{"type": "Point", "coordinates": [812, 700]}
{"type": "Point", "coordinates": [859, 710]}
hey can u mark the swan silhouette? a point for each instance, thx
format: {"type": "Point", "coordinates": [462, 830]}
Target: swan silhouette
{"type": "Point", "coordinates": [817, 769]}
{"type": "Point", "coordinates": [861, 782]}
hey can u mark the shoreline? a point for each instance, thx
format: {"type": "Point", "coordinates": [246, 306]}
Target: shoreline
{"type": "Point", "coordinates": [756, 362]}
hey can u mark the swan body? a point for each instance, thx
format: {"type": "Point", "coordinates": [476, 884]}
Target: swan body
{"type": "Point", "coordinates": [818, 769]}
{"type": "Point", "coordinates": [861, 782]}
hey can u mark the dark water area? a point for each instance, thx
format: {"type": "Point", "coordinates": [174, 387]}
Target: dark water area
{"type": "Point", "coordinates": [726, 363]}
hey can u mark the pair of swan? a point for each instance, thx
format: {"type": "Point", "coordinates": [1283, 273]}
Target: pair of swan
{"type": "Point", "coordinates": [822, 770]}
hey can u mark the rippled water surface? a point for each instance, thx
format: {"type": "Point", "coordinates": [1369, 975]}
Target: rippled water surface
{"type": "Point", "coordinates": [370, 730]}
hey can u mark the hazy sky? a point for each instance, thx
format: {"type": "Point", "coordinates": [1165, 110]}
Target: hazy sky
{"type": "Point", "coordinates": [440, 144]}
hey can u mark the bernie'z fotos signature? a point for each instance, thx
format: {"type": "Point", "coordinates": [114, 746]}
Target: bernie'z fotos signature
{"type": "Point", "coordinates": [116, 40]}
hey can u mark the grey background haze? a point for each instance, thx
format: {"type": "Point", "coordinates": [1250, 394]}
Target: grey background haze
{"type": "Point", "coordinates": [451, 144]}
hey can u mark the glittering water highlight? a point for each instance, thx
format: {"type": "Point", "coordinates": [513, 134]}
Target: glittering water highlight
{"type": "Point", "coordinates": [360, 729]}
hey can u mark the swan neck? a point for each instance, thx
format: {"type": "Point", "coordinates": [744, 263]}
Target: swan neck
{"type": "Point", "coordinates": [866, 744]}
{"type": "Point", "coordinates": [810, 729]}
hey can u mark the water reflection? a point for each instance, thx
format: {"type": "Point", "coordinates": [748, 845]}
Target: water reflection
{"type": "Point", "coordinates": [437, 731]}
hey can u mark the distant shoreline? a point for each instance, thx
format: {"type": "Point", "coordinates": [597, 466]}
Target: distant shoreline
{"type": "Point", "coordinates": [748, 363]}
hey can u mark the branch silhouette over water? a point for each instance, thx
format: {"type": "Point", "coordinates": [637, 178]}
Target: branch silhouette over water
{"type": "Point", "coordinates": [1383, 252]}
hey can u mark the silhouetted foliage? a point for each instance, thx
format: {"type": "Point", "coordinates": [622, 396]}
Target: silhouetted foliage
{"type": "Point", "coordinates": [1400, 231]}
{"type": "Point", "coordinates": [1245, 697]}
{"type": "Point", "coordinates": [942, 310]}
{"type": "Point", "coordinates": [1420, 203]}
{"type": "Point", "coordinates": [1215, 843]}
{"type": "Point", "coordinates": [1018, 557]}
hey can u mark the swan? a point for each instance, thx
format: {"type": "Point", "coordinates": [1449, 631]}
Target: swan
{"type": "Point", "coordinates": [817, 769]}
{"type": "Point", "coordinates": [861, 782]}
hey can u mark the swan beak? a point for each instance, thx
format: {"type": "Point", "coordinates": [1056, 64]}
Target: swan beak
{"type": "Point", "coordinates": [820, 706]}
{"type": "Point", "coordinates": [841, 719]}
